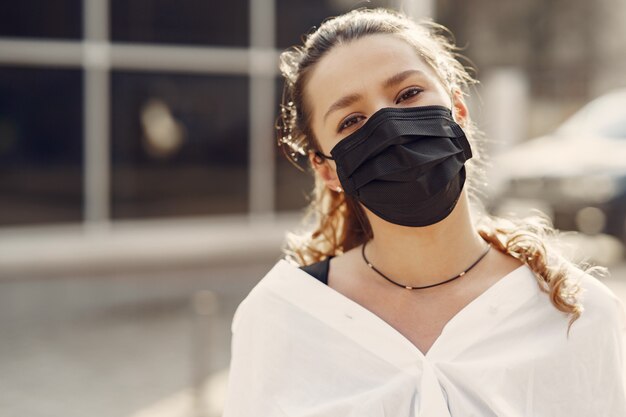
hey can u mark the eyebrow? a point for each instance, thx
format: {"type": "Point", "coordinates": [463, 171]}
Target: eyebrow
{"type": "Point", "coordinates": [344, 101]}
{"type": "Point", "coordinates": [401, 76]}
{"type": "Point", "coordinates": [350, 99]}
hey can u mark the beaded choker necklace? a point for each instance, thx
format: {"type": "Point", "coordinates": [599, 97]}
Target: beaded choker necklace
{"type": "Point", "coordinates": [426, 286]}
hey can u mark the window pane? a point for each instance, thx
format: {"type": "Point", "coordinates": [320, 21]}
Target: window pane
{"type": "Point", "coordinates": [292, 185]}
{"type": "Point", "coordinates": [179, 145]}
{"type": "Point", "coordinates": [190, 22]}
{"type": "Point", "coordinates": [297, 17]}
{"type": "Point", "coordinates": [41, 19]}
{"type": "Point", "coordinates": [40, 145]}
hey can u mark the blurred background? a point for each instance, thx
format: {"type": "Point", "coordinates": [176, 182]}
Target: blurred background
{"type": "Point", "coordinates": [142, 195]}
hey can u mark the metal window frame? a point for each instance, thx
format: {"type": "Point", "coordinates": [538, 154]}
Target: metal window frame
{"type": "Point", "coordinates": [97, 56]}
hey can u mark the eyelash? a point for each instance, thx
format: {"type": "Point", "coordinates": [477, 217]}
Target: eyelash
{"type": "Point", "coordinates": [411, 89]}
{"type": "Point", "coordinates": [346, 122]}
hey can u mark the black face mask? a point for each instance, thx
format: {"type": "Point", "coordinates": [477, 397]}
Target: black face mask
{"type": "Point", "coordinates": [406, 165]}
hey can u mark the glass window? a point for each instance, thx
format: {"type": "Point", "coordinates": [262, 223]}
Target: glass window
{"type": "Point", "coordinates": [292, 186]}
{"type": "Point", "coordinates": [223, 23]}
{"type": "Point", "coordinates": [179, 144]}
{"type": "Point", "coordinates": [296, 18]}
{"type": "Point", "coordinates": [41, 19]}
{"type": "Point", "coordinates": [40, 145]}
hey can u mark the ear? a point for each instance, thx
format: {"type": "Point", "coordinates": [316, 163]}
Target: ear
{"type": "Point", "coordinates": [326, 170]}
{"type": "Point", "coordinates": [459, 108]}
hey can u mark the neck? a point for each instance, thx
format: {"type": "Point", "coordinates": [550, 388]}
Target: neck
{"type": "Point", "coordinates": [420, 256]}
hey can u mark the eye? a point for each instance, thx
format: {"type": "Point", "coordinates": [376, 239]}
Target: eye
{"type": "Point", "coordinates": [347, 122]}
{"type": "Point", "coordinates": [408, 93]}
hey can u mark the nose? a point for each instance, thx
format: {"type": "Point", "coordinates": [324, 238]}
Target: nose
{"type": "Point", "coordinates": [382, 103]}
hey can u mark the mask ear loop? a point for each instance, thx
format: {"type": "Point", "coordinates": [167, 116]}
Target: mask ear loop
{"type": "Point", "coordinates": [322, 156]}
{"type": "Point", "coordinates": [355, 206]}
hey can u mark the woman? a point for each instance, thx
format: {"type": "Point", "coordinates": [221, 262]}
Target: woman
{"type": "Point", "coordinates": [399, 298]}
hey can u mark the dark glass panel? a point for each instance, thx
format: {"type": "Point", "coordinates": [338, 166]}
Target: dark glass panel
{"type": "Point", "coordinates": [292, 186]}
{"type": "Point", "coordinates": [41, 19]}
{"type": "Point", "coordinates": [179, 145]}
{"type": "Point", "coordinates": [222, 23]}
{"type": "Point", "coordinates": [296, 18]}
{"type": "Point", "coordinates": [40, 145]}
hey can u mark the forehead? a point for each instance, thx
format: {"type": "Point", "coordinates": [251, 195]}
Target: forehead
{"type": "Point", "coordinates": [359, 64]}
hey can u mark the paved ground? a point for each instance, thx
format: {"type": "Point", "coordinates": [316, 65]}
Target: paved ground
{"type": "Point", "coordinates": [115, 344]}
{"type": "Point", "coordinates": [127, 345]}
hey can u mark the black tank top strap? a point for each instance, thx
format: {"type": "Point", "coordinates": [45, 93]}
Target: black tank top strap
{"type": "Point", "coordinates": [319, 270]}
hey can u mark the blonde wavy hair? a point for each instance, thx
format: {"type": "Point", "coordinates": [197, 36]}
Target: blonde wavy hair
{"type": "Point", "coordinates": [335, 223]}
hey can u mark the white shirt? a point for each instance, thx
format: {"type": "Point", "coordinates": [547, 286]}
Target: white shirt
{"type": "Point", "coordinates": [301, 348]}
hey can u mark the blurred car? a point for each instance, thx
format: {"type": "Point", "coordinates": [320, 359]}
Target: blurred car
{"type": "Point", "coordinates": [577, 173]}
